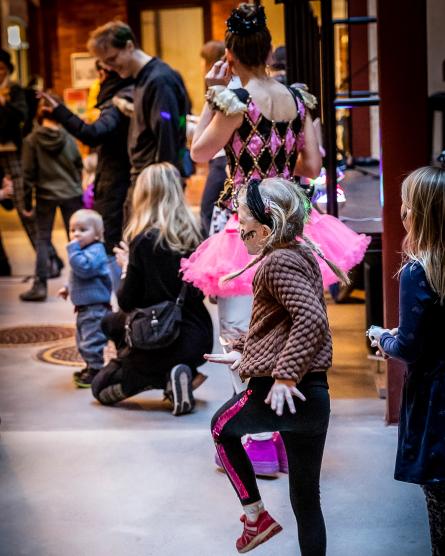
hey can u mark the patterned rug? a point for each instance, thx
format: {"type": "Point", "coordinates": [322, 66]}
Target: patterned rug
{"type": "Point", "coordinates": [68, 356]}
{"type": "Point", "coordinates": [34, 335]}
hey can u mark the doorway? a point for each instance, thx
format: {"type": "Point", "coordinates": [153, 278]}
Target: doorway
{"type": "Point", "coordinates": [176, 35]}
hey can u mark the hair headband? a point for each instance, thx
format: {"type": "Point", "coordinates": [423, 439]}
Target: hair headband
{"type": "Point", "coordinates": [259, 210]}
{"type": "Point", "coordinates": [238, 24]}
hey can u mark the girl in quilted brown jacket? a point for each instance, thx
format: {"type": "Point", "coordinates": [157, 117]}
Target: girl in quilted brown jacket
{"type": "Point", "coordinates": [285, 356]}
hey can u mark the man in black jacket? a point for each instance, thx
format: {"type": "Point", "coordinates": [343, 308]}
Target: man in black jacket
{"type": "Point", "coordinates": [157, 129]}
{"type": "Point", "coordinates": [109, 134]}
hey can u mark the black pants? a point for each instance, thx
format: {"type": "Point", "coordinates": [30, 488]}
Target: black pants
{"type": "Point", "coordinates": [214, 185]}
{"type": "Point", "coordinates": [134, 370]}
{"type": "Point", "coordinates": [304, 435]}
{"type": "Point", "coordinates": [45, 213]}
{"type": "Point", "coordinates": [435, 501]}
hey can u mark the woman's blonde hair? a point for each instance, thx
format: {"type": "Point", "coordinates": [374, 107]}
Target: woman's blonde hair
{"type": "Point", "coordinates": [287, 208]}
{"type": "Point", "coordinates": [92, 218]}
{"type": "Point", "coordinates": [158, 203]}
{"type": "Point", "coordinates": [423, 192]}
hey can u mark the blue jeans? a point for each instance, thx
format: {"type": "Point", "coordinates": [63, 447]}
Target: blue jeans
{"type": "Point", "coordinates": [89, 336]}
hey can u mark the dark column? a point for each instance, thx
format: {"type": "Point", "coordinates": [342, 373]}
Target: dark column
{"type": "Point", "coordinates": [403, 116]}
{"type": "Point", "coordinates": [359, 79]}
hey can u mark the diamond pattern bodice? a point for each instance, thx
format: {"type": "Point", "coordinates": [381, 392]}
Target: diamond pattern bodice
{"type": "Point", "coordinates": [262, 148]}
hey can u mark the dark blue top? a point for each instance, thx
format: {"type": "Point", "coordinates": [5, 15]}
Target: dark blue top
{"type": "Point", "coordinates": [420, 343]}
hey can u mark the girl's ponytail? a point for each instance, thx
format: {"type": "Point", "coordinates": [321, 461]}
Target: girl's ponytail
{"type": "Point", "coordinates": [252, 263]}
{"type": "Point", "coordinates": [335, 269]}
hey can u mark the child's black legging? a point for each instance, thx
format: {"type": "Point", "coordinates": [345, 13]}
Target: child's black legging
{"type": "Point", "coordinates": [304, 435]}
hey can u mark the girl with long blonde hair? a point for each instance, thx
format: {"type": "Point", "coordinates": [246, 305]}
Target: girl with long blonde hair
{"type": "Point", "coordinates": [419, 342]}
{"type": "Point", "coordinates": [158, 202]}
{"type": "Point", "coordinates": [161, 230]}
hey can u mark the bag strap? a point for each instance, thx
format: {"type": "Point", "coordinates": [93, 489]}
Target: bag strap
{"type": "Point", "coordinates": [181, 297]}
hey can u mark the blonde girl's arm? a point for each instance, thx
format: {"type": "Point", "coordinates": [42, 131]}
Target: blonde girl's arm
{"type": "Point", "coordinates": [415, 297]}
{"type": "Point", "coordinates": [309, 158]}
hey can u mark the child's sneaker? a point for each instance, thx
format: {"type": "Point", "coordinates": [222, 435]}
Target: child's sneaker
{"type": "Point", "coordinates": [263, 455]}
{"type": "Point", "coordinates": [181, 385]}
{"type": "Point", "coordinates": [281, 452]}
{"type": "Point", "coordinates": [77, 374]}
{"type": "Point", "coordinates": [256, 533]}
{"type": "Point", "coordinates": [84, 378]}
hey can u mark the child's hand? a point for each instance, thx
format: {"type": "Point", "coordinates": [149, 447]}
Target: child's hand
{"type": "Point", "coordinates": [374, 334]}
{"type": "Point", "coordinates": [233, 358]}
{"type": "Point", "coordinates": [282, 391]}
{"type": "Point", "coordinates": [28, 213]}
{"type": "Point", "coordinates": [122, 255]}
{"type": "Point", "coordinates": [63, 293]}
{"type": "Point", "coordinates": [7, 187]}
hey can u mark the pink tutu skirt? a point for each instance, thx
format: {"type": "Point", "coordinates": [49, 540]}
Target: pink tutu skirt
{"type": "Point", "coordinates": [224, 252]}
{"type": "Point", "coordinates": [339, 244]}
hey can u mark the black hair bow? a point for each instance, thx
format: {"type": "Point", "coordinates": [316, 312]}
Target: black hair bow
{"type": "Point", "coordinates": [256, 204]}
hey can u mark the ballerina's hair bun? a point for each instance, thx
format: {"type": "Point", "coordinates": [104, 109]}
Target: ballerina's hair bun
{"type": "Point", "coordinates": [246, 19]}
{"type": "Point", "coordinates": [247, 35]}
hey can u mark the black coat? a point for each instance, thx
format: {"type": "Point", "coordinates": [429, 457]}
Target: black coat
{"type": "Point", "coordinates": [109, 133]}
{"type": "Point", "coordinates": [12, 116]}
{"type": "Point", "coordinates": [153, 277]}
{"type": "Point", "coordinates": [420, 343]}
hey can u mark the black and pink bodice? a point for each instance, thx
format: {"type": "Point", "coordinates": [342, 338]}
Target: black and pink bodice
{"type": "Point", "coordinates": [260, 148]}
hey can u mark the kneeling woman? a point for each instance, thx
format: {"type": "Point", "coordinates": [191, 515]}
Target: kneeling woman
{"type": "Point", "coordinates": [161, 230]}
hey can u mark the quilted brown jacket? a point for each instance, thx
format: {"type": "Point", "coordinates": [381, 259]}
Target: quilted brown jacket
{"type": "Point", "coordinates": [289, 332]}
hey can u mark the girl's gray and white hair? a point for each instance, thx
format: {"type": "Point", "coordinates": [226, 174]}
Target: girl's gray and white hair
{"type": "Point", "coordinates": [287, 207]}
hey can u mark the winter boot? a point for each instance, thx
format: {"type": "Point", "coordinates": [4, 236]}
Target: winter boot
{"type": "Point", "coordinates": [38, 292]}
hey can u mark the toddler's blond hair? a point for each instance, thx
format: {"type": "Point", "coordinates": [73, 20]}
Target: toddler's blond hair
{"type": "Point", "coordinates": [90, 217]}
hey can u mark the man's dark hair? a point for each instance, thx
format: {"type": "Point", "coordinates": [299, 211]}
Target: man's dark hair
{"type": "Point", "coordinates": [114, 33]}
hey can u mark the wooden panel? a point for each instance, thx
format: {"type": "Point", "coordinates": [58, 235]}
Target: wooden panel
{"type": "Point", "coordinates": [220, 12]}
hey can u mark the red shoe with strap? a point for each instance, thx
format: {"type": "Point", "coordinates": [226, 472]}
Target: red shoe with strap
{"type": "Point", "coordinates": [256, 533]}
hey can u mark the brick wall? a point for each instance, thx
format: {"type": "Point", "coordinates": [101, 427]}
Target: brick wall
{"type": "Point", "coordinates": [68, 25]}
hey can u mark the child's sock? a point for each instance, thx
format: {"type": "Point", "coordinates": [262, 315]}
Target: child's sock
{"type": "Point", "coordinates": [253, 511]}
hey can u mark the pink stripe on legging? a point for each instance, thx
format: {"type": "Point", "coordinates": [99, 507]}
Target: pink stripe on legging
{"type": "Point", "coordinates": [240, 488]}
{"type": "Point", "coordinates": [229, 414]}
{"type": "Point", "coordinates": [219, 425]}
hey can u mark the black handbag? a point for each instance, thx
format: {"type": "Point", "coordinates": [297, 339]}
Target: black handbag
{"type": "Point", "coordinates": [156, 326]}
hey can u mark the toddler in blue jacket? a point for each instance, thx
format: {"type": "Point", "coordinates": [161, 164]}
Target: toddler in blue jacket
{"type": "Point", "coordinates": [90, 290]}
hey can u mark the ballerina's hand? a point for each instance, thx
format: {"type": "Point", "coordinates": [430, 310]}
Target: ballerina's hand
{"type": "Point", "coordinates": [282, 391]}
{"type": "Point", "coordinates": [219, 74]}
{"type": "Point", "coordinates": [233, 358]}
